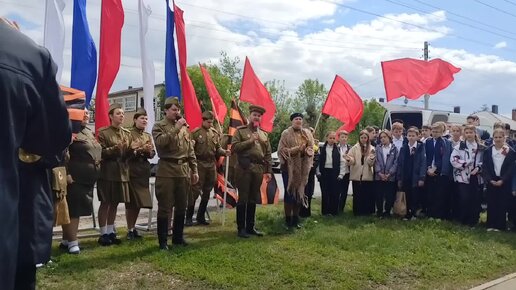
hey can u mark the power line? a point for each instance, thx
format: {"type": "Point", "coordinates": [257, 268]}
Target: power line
{"type": "Point", "coordinates": [465, 17]}
{"type": "Point", "coordinates": [452, 20]}
{"type": "Point", "coordinates": [408, 23]}
{"type": "Point", "coordinates": [496, 8]}
{"type": "Point", "coordinates": [510, 2]}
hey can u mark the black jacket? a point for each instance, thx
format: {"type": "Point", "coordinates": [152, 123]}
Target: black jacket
{"type": "Point", "coordinates": [508, 166]}
{"type": "Point", "coordinates": [33, 117]}
{"type": "Point", "coordinates": [335, 159]}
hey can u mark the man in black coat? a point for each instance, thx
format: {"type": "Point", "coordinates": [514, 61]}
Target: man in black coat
{"type": "Point", "coordinates": [35, 129]}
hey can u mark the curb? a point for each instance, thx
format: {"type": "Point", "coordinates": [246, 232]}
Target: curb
{"type": "Point", "coordinates": [495, 282]}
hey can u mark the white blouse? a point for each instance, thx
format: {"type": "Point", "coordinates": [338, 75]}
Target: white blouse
{"type": "Point", "coordinates": [328, 163]}
{"type": "Point", "coordinates": [498, 159]}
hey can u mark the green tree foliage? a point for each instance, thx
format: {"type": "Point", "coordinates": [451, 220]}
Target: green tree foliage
{"type": "Point", "coordinates": [373, 116]}
{"type": "Point", "coordinates": [282, 99]}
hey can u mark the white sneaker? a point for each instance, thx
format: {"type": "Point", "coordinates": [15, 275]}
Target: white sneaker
{"type": "Point", "coordinates": [73, 248]}
{"type": "Point", "coordinates": [490, 229]}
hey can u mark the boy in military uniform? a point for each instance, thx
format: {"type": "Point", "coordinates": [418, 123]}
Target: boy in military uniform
{"type": "Point", "coordinates": [253, 161]}
{"type": "Point", "coordinates": [207, 149]}
{"type": "Point", "coordinates": [177, 170]}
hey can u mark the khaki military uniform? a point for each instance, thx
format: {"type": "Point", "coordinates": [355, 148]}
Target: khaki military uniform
{"type": "Point", "coordinates": [139, 171]}
{"type": "Point", "coordinates": [253, 160]}
{"type": "Point", "coordinates": [113, 184]}
{"type": "Point", "coordinates": [207, 148]}
{"type": "Point", "coordinates": [84, 167]}
{"type": "Point", "coordinates": [177, 163]}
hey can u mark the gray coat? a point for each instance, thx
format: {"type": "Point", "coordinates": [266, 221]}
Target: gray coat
{"type": "Point", "coordinates": [388, 166]}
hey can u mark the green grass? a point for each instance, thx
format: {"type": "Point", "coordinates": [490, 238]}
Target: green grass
{"type": "Point", "coordinates": [328, 253]}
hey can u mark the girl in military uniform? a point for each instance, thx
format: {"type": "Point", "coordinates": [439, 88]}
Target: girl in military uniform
{"type": "Point", "coordinates": [83, 171]}
{"type": "Point", "coordinates": [139, 173]}
{"type": "Point", "coordinates": [113, 184]}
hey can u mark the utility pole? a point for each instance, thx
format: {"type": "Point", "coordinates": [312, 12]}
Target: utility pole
{"type": "Point", "coordinates": [425, 56]}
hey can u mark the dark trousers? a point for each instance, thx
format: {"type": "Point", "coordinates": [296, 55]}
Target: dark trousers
{"type": "Point", "coordinates": [498, 204]}
{"type": "Point", "coordinates": [306, 211]}
{"type": "Point", "coordinates": [455, 210]}
{"type": "Point", "coordinates": [363, 198]}
{"type": "Point", "coordinates": [439, 199]}
{"type": "Point", "coordinates": [385, 194]}
{"type": "Point", "coordinates": [330, 191]}
{"type": "Point", "coordinates": [344, 186]}
{"type": "Point", "coordinates": [413, 196]}
{"type": "Point", "coordinates": [469, 203]}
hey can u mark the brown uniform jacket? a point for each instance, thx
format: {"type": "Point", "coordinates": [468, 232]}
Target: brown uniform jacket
{"type": "Point", "coordinates": [207, 146]}
{"type": "Point", "coordinates": [139, 165]}
{"type": "Point", "coordinates": [175, 150]}
{"type": "Point", "coordinates": [114, 165]}
{"type": "Point", "coordinates": [85, 156]}
{"type": "Point", "coordinates": [251, 153]}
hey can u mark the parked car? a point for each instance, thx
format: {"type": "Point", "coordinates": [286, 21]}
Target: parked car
{"type": "Point", "coordinates": [275, 162]}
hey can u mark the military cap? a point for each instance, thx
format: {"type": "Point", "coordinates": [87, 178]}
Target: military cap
{"type": "Point", "coordinates": [296, 115]}
{"type": "Point", "coordinates": [172, 101]}
{"type": "Point", "coordinates": [114, 106]}
{"type": "Point", "coordinates": [140, 112]}
{"type": "Point", "coordinates": [207, 115]}
{"type": "Point", "coordinates": [255, 108]}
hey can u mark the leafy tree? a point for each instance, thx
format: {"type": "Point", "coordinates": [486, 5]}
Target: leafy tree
{"type": "Point", "coordinates": [373, 116]}
{"type": "Point", "coordinates": [282, 99]}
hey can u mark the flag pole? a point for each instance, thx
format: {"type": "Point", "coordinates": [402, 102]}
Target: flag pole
{"type": "Point", "coordinates": [317, 123]}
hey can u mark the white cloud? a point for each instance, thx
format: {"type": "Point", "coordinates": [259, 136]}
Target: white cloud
{"type": "Point", "coordinates": [266, 31]}
{"type": "Point", "coordinates": [501, 44]}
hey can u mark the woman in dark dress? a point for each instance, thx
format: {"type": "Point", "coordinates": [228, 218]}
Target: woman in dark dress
{"type": "Point", "coordinates": [83, 171]}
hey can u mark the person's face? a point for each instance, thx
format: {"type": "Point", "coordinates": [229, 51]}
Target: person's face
{"type": "Point", "coordinates": [499, 139]}
{"type": "Point", "coordinates": [364, 139]}
{"type": "Point", "coordinates": [172, 113]}
{"type": "Point", "coordinates": [455, 132]}
{"type": "Point", "coordinates": [331, 139]}
{"type": "Point", "coordinates": [437, 132]}
{"type": "Point", "coordinates": [426, 133]}
{"type": "Point", "coordinates": [471, 121]}
{"type": "Point", "coordinates": [86, 118]}
{"type": "Point", "coordinates": [343, 138]}
{"type": "Point", "coordinates": [396, 133]}
{"type": "Point", "coordinates": [297, 123]}
{"type": "Point", "coordinates": [469, 135]}
{"type": "Point", "coordinates": [207, 123]}
{"type": "Point", "coordinates": [255, 117]}
{"type": "Point", "coordinates": [384, 139]}
{"type": "Point", "coordinates": [412, 137]}
{"type": "Point", "coordinates": [117, 118]}
{"type": "Point", "coordinates": [376, 132]}
{"type": "Point", "coordinates": [448, 127]}
{"type": "Point", "coordinates": [141, 122]}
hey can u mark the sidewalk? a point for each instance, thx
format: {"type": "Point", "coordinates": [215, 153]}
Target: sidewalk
{"type": "Point", "coordinates": [507, 282]}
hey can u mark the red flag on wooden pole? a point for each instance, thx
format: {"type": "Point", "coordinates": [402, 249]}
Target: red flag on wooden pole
{"type": "Point", "coordinates": [254, 92]}
{"type": "Point", "coordinates": [217, 103]}
{"type": "Point", "coordinates": [412, 78]}
{"type": "Point", "coordinates": [344, 104]}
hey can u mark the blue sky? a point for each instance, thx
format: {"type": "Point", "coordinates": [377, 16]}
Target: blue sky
{"type": "Point", "coordinates": [295, 40]}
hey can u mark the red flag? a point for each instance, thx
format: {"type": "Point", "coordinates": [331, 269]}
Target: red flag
{"type": "Point", "coordinates": [217, 103]}
{"type": "Point", "coordinates": [344, 104]}
{"type": "Point", "coordinates": [192, 108]}
{"type": "Point", "coordinates": [111, 22]}
{"type": "Point", "coordinates": [412, 78]}
{"type": "Point", "coordinates": [254, 92]}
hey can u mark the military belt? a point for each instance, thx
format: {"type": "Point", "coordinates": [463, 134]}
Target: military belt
{"type": "Point", "coordinates": [174, 160]}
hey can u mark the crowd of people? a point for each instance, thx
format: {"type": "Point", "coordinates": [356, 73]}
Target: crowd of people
{"type": "Point", "coordinates": [447, 171]}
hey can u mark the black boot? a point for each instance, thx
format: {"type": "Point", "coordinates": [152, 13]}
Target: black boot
{"type": "Point", "coordinates": [201, 213]}
{"type": "Point", "coordinates": [295, 222]}
{"type": "Point", "coordinates": [189, 216]}
{"type": "Point", "coordinates": [177, 234]}
{"type": "Point", "coordinates": [162, 233]}
{"type": "Point", "coordinates": [288, 222]}
{"type": "Point", "coordinates": [250, 214]}
{"type": "Point", "coordinates": [240, 217]}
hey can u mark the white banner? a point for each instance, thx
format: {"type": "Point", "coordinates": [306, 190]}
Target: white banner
{"type": "Point", "coordinates": [54, 33]}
